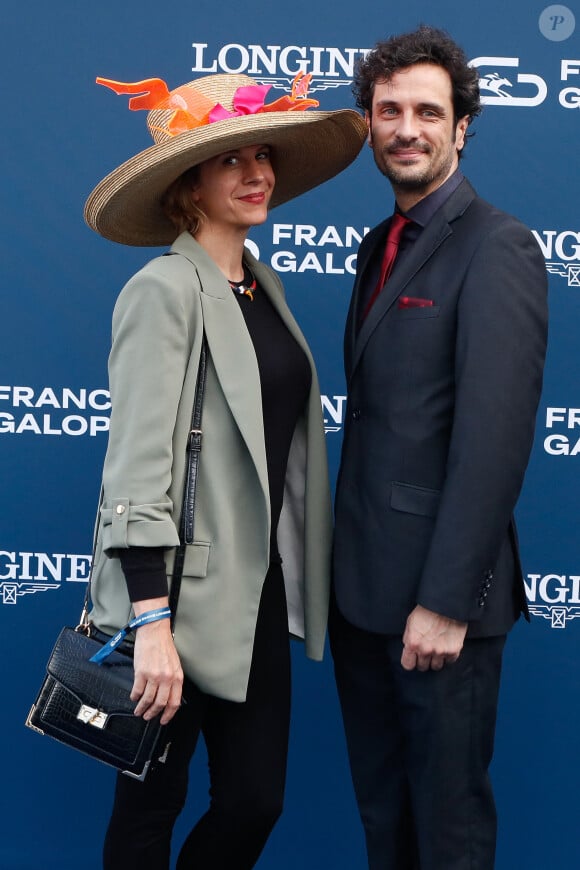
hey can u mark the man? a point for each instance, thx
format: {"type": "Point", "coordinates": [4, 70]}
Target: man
{"type": "Point", "coordinates": [444, 371]}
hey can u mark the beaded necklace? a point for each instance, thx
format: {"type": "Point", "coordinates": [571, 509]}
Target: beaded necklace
{"type": "Point", "coordinates": [246, 286]}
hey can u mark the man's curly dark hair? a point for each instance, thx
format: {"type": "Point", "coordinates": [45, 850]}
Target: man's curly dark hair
{"type": "Point", "coordinates": [424, 45]}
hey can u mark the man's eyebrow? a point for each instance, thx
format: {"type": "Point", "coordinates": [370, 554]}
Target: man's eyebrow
{"type": "Point", "coordinates": [435, 107]}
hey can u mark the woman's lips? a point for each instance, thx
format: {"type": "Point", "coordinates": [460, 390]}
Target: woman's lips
{"type": "Point", "coordinates": [254, 198]}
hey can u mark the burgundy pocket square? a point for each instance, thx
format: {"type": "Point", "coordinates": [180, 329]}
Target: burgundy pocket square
{"type": "Point", "coordinates": [414, 302]}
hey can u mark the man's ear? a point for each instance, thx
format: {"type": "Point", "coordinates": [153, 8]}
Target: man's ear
{"type": "Point", "coordinates": [370, 130]}
{"type": "Point", "coordinates": [460, 131]}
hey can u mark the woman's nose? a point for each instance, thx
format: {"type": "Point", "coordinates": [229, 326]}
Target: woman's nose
{"type": "Point", "coordinates": [254, 171]}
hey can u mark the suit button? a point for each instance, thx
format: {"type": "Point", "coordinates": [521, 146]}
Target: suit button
{"type": "Point", "coordinates": [356, 414]}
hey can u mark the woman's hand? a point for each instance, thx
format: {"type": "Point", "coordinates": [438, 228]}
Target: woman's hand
{"type": "Point", "coordinates": [158, 673]}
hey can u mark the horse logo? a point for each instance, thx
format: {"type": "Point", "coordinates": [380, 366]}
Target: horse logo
{"type": "Point", "coordinates": [495, 83]}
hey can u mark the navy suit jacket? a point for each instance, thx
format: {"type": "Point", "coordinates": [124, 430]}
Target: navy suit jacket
{"type": "Point", "coordinates": [441, 409]}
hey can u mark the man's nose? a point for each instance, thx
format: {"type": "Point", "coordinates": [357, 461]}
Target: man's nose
{"type": "Point", "coordinates": [408, 126]}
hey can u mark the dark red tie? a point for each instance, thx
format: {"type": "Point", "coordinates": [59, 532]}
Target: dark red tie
{"type": "Point", "coordinates": [397, 225]}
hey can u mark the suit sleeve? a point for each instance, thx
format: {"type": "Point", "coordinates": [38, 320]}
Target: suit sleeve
{"type": "Point", "coordinates": [149, 355]}
{"type": "Point", "coordinates": [499, 357]}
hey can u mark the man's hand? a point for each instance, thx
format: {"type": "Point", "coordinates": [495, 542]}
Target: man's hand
{"type": "Point", "coordinates": [431, 640]}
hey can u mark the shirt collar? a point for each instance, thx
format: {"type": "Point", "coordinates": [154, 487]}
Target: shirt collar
{"type": "Point", "coordinates": [423, 211]}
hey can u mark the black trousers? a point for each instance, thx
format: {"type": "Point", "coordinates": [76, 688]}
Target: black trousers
{"type": "Point", "coordinates": [247, 746]}
{"type": "Point", "coordinates": [420, 745]}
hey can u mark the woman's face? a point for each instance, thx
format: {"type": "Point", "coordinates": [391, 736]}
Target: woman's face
{"type": "Point", "coordinates": [235, 187]}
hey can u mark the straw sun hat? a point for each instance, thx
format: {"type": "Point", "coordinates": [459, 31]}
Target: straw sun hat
{"type": "Point", "coordinates": [204, 118]}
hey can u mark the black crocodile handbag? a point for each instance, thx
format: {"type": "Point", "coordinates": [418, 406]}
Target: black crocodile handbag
{"type": "Point", "coordinates": [87, 705]}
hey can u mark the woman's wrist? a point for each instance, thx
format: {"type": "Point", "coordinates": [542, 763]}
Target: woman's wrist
{"type": "Point", "coordinates": [146, 618]}
{"type": "Point", "coordinates": [149, 616]}
{"type": "Point", "coordinates": [148, 604]}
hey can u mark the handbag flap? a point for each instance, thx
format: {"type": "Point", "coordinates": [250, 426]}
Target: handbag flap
{"type": "Point", "coordinates": [105, 686]}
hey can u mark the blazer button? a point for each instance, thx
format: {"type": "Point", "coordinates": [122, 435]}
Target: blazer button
{"type": "Point", "coordinates": [356, 414]}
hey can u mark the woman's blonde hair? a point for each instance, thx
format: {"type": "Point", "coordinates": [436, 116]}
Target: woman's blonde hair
{"type": "Point", "coordinates": [178, 205]}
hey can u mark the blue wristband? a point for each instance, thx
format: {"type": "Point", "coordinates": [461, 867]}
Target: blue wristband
{"type": "Point", "coordinates": [136, 622]}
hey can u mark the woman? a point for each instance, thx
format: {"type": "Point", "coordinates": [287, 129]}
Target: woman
{"type": "Point", "coordinates": [258, 568]}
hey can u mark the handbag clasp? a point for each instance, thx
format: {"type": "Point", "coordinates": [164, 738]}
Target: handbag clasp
{"type": "Point", "coordinates": [92, 716]}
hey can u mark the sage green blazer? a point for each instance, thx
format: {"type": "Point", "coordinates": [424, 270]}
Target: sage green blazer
{"type": "Point", "coordinates": [157, 332]}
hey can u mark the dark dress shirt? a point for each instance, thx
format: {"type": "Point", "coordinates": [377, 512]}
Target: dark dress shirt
{"type": "Point", "coordinates": [420, 215]}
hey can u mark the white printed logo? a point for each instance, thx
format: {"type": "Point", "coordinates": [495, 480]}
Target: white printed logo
{"type": "Point", "coordinates": [562, 443]}
{"type": "Point", "coordinates": [565, 246]}
{"type": "Point", "coordinates": [500, 87]}
{"type": "Point", "coordinates": [333, 412]}
{"type": "Point", "coordinates": [277, 65]}
{"type": "Point", "coordinates": [555, 597]}
{"type": "Point", "coordinates": [45, 411]}
{"type": "Point", "coordinates": [300, 248]}
{"type": "Point", "coordinates": [495, 83]}
{"type": "Point", "coordinates": [27, 573]}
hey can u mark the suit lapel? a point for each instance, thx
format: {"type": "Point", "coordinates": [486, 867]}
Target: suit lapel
{"type": "Point", "coordinates": [437, 230]}
{"type": "Point", "coordinates": [375, 245]}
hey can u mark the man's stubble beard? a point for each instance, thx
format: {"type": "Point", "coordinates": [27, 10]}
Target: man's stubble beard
{"type": "Point", "coordinates": [402, 181]}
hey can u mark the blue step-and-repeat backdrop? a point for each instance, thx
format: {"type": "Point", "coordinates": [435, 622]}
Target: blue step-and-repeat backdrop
{"type": "Point", "coordinates": [61, 134]}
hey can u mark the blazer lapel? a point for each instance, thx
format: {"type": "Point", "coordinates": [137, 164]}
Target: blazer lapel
{"type": "Point", "coordinates": [231, 351]}
{"type": "Point", "coordinates": [437, 230]}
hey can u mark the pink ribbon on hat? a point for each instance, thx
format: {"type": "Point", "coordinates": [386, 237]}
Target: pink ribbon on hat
{"type": "Point", "coordinates": [248, 100]}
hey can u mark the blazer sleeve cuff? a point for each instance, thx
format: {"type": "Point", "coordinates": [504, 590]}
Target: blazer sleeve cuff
{"type": "Point", "coordinates": [147, 525]}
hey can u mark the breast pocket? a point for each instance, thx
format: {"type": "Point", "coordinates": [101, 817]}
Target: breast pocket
{"type": "Point", "coordinates": [411, 499]}
{"type": "Point", "coordinates": [418, 312]}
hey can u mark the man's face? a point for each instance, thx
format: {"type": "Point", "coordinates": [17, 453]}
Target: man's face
{"type": "Point", "coordinates": [412, 130]}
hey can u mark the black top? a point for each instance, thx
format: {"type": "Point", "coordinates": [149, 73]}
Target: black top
{"type": "Point", "coordinates": [285, 380]}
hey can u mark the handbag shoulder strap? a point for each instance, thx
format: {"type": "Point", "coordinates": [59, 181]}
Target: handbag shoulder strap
{"type": "Point", "coordinates": [194, 442]}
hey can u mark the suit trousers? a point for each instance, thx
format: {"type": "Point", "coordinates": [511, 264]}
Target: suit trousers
{"type": "Point", "coordinates": [420, 745]}
{"type": "Point", "coordinates": [247, 746]}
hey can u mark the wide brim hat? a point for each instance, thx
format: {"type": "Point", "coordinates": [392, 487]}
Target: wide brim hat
{"type": "Point", "coordinates": [308, 148]}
